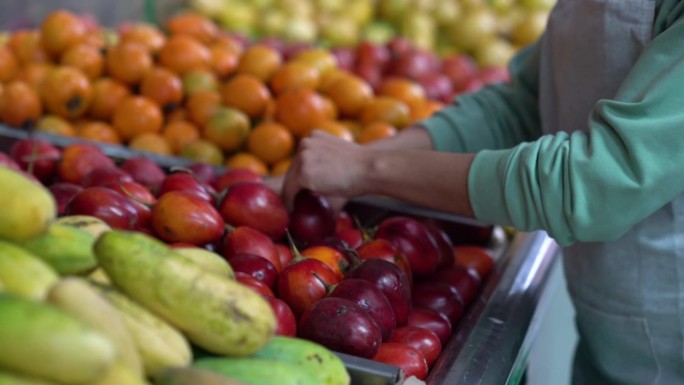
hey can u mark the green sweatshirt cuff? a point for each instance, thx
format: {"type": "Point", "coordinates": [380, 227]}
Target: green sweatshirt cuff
{"type": "Point", "coordinates": [441, 129]}
{"type": "Point", "coordinates": [486, 187]}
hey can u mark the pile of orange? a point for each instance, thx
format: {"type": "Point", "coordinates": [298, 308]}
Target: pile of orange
{"type": "Point", "coordinates": [190, 90]}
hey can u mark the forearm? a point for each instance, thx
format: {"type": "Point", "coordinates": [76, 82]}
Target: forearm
{"type": "Point", "coordinates": [411, 138]}
{"type": "Point", "coordinates": [427, 178]}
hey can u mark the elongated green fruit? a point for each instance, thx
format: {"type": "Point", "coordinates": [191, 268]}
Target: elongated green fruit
{"type": "Point", "coordinates": [208, 260]}
{"type": "Point", "coordinates": [42, 341]}
{"type": "Point", "coordinates": [159, 344]}
{"type": "Point", "coordinates": [87, 223]}
{"type": "Point", "coordinates": [193, 376]}
{"type": "Point", "coordinates": [23, 273]}
{"type": "Point", "coordinates": [7, 378]}
{"type": "Point", "coordinates": [254, 371]}
{"type": "Point", "coordinates": [77, 297]}
{"type": "Point", "coordinates": [217, 314]}
{"type": "Point", "coordinates": [326, 365]}
{"type": "Point", "coordinates": [67, 249]}
{"type": "Point", "coordinates": [120, 374]}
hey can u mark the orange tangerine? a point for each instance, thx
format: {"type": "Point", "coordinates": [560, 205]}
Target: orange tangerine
{"type": "Point", "coordinates": [52, 124]}
{"type": "Point", "coordinates": [20, 105]}
{"type": "Point", "coordinates": [281, 167]}
{"type": "Point", "coordinates": [386, 109]}
{"type": "Point", "coordinates": [350, 94]}
{"type": "Point", "coordinates": [128, 62]}
{"type": "Point", "coordinates": [259, 60]}
{"type": "Point", "coordinates": [227, 128]}
{"type": "Point", "coordinates": [183, 53]}
{"type": "Point", "coordinates": [248, 161]}
{"type": "Point", "coordinates": [136, 115]}
{"type": "Point", "coordinates": [335, 128]}
{"type": "Point", "coordinates": [271, 142]}
{"type": "Point", "coordinates": [247, 93]}
{"type": "Point", "coordinates": [107, 94]}
{"type": "Point", "coordinates": [60, 30]}
{"type": "Point", "coordinates": [67, 92]}
{"type": "Point", "coordinates": [86, 58]}
{"type": "Point", "coordinates": [99, 132]}
{"type": "Point", "coordinates": [179, 133]}
{"type": "Point", "coordinates": [201, 105]}
{"type": "Point", "coordinates": [294, 75]}
{"type": "Point", "coordinates": [375, 131]}
{"type": "Point", "coordinates": [300, 110]}
{"type": "Point", "coordinates": [203, 151]}
{"type": "Point", "coordinates": [9, 65]}
{"type": "Point", "coordinates": [150, 142]}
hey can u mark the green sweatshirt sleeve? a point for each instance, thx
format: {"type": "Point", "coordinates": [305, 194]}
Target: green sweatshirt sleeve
{"type": "Point", "coordinates": [594, 187]}
{"type": "Point", "coordinates": [498, 116]}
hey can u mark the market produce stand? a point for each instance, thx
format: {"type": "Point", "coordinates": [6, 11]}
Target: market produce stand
{"type": "Point", "coordinates": [491, 343]}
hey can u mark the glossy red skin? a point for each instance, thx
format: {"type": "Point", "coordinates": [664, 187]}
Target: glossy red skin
{"type": "Point", "coordinates": [340, 325]}
{"type": "Point", "coordinates": [372, 55]}
{"type": "Point", "coordinates": [246, 240]}
{"type": "Point", "coordinates": [286, 323]}
{"type": "Point", "coordinates": [144, 171]}
{"type": "Point", "coordinates": [437, 86]}
{"type": "Point", "coordinates": [431, 320]}
{"type": "Point", "coordinates": [204, 173]}
{"type": "Point", "coordinates": [476, 259]}
{"type": "Point", "coordinates": [412, 239]}
{"type": "Point", "coordinates": [141, 198]}
{"type": "Point", "coordinates": [370, 299]}
{"type": "Point", "coordinates": [353, 238]}
{"type": "Point", "coordinates": [63, 192]}
{"type": "Point", "coordinates": [44, 154]}
{"type": "Point", "coordinates": [105, 176]}
{"type": "Point", "coordinates": [460, 69]}
{"type": "Point", "coordinates": [445, 246]}
{"type": "Point", "coordinates": [312, 218]}
{"type": "Point", "coordinates": [303, 283]}
{"type": "Point", "coordinates": [236, 175]}
{"type": "Point", "coordinates": [254, 284]}
{"type": "Point", "coordinates": [332, 258]}
{"type": "Point", "coordinates": [183, 181]}
{"type": "Point", "coordinates": [411, 362]}
{"type": "Point", "coordinates": [80, 159]}
{"type": "Point", "coordinates": [179, 216]}
{"type": "Point", "coordinates": [385, 249]}
{"type": "Point", "coordinates": [426, 342]}
{"type": "Point", "coordinates": [412, 65]}
{"type": "Point", "coordinates": [256, 266]}
{"type": "Point", "coordinates": [344, 221]}
{"type": "Point", "coordinates": [391, 281]}
{"type": "Point", "coordinates": [465, 283]}
{"type": "Point", "coordinates": [439, 297]}
{"type": "Point", "coordinates": [106, 204]}
{"type": "Point", "coordinates": [257, 206]}
{"type": "Point", "coordinates": [284, 254]}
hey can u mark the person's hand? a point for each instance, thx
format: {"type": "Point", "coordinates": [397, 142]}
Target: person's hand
{"type": "Point", "coordinates": [326, 165]}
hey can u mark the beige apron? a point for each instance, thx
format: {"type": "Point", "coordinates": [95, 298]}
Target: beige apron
{"type": "Point", "coordinates": [628, 294]}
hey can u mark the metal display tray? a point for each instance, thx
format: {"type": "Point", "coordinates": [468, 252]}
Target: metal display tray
{"type": "Point", "coordinates": [490, 344]}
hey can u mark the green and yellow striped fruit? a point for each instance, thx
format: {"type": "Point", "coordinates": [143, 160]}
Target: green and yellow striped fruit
{"type": "Point", "coordinates": [215, 313]}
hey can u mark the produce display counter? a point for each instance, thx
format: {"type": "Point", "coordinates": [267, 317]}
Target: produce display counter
{"type": "Point", "coordinates": [491, 342]}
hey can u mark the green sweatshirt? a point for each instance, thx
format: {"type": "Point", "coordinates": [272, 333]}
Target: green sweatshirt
{"type": "Point", "coordinates": [577, 186]}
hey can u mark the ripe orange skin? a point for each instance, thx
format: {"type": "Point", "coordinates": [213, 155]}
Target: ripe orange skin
{"type": "Point", "coordinates": [128, 62]}
{"type": "Point", "coordinates": [247, 93]}
{"type": "Point", "coordinates": [194, 25]}
{"type": "Point", "coordinates": [67, 92]}
{"type": "Point", "coordinates": [147, 35]}
{"type": "Point", "coordinates": [107, 94]}
{"type": "Point", "coordinates": [136, 115]}
{"type": "Point", "coordinates": [201, 106]}
{"type": "Point", "coordinates": [9, 65]}
{"type": "Point", "coordinates": [331, 257]}
{"type": "Point", "coordinates": [300, 110]}
{"type": "Point", "coordinates": [60, 30]}
{"type": "Point", "coordinates": [261, 61]}
{"type": "Point", "coordinates": [163, 87]}
{"type": "Point", "coordinates": [85, 57]}
{"type": "Point", "coordinates": [182, 54]}
{"type": "Point", "coordinates": [20, 105]}
{"type": "Point", "coordinates": [271, 142]}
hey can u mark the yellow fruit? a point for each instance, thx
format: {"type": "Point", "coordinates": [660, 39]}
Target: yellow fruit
{"type": "Point", "coordinates": [207, 260]}
{"type": "Point", "coordinates": [159, 344]}
{"type": "Point", "coordinates": [217, 314]}
{"type": "Point", "coordinates": [7, 378]}
{"type": "Point", "coordinates": [44, 342]}
{"type": "Point", "coordinates": [66, 249]}
{"type": "Point", "coordinates": [78, 298]}
{"type": "Point", "coordinates": [27, 207]}
{"type": "Point", "coordinates": [24, 274]}
{"type": "Point", "coordinates": [93, 225]}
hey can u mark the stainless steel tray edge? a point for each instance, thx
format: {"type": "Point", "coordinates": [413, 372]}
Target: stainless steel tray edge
{"type": "Point", "coordinates": [486, 348]}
